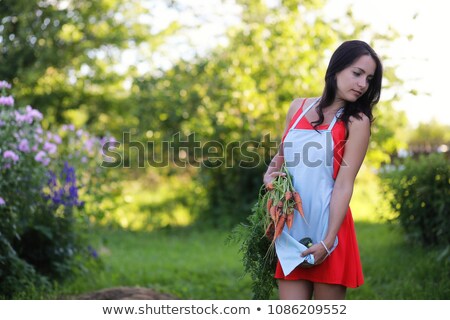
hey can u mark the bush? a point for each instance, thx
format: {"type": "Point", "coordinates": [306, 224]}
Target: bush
{"type": "Point", "coordinates": [16, 275]}
{"type": "Point", "coordinates": [232, 187]}
{"type": "Point", "coordinates": [42, 217]}
{"type": "Point", "coordinates": [231, 193]}
{"type": "Point", "coordinates": [421, 195]}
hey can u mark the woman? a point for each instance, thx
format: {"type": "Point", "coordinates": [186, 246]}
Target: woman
{"type": "Point", "coordinates": [323, 146]}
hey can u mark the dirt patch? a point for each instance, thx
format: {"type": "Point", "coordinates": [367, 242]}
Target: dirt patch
{"type": "Point", "coordinates": [125, 293]}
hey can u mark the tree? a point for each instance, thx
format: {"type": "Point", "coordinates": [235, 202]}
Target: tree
{"type": "Point", "coordinates": [428, 137]}
{"type": "Point", "coordinates": [62, 55]}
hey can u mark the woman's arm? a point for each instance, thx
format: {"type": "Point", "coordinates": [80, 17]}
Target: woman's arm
{"type": "Point", "coordinates": [277, 161]}
{"type": "Point", "coordinates": [354, 153]}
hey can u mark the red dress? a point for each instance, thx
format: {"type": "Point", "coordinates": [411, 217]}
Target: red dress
{"type": "Point", "coordinates": [343, 266]}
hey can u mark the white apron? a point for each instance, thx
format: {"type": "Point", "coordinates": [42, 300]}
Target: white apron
{"type": "Point", "coordinates": [308, 156]}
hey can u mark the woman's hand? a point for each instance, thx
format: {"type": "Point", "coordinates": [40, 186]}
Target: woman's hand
{"type": "Point", "coordinates": [268, 178]}
{"type": "Point", "coordinates": [318, 251]}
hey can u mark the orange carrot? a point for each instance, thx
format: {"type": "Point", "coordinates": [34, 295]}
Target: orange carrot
{"type": "Point", "coordinates": [298, 203]}
{"type": "Point", "coordinates": [273, 213]}
{"type": "Point", "coordinates": [269, 204]}
{"type": "Point", "coordinates": [279, 226]}
{"type": "Point", "coordinates": [289, 220]}
{"type": "Point", "coordinates": [288, 195]}
{"type": "Point", "coordinates": [279, 213]}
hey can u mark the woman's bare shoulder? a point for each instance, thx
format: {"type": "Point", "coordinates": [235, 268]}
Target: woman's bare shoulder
{"type": "Point", "coordinates": [359, 124]}
{"type": "Point", "coordinates": [295, 106]}
{"type": "Point", "coordinates": [359, 121]}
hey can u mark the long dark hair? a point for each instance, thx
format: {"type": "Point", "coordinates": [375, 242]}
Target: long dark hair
{"type": "Point", "coordinates": [347, 53]}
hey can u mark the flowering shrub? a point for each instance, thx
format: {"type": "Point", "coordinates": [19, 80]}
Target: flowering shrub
{"type": "Point", "coordinates": [42, 216]}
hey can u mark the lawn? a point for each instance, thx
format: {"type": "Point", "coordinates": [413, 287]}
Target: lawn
{"type": "Point", "coordinates": [194, 264]}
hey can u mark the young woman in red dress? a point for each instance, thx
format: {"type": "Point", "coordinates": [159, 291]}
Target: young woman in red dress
{"type": "Point", "coordinates": [323, 147]}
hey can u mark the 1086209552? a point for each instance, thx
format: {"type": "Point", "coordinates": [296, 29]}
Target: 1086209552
{"type": "Point", "coordinates": [311, 309]}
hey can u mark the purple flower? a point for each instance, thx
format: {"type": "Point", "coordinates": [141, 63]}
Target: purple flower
{"type": "Point", "coordinates": [29, 116]}
{"type": "Point", "coordinates": [79, 132]}
{"type": "Point", "coordinates": [65, 191]}
{"type": "Point", "coordinates": [4, 85]}
{"type": "Point", "coordinates": [93, 252]}
{"type": "Point", "coordinates": [69, 127]}
{"type": "Point", "coordinates": [33, 113]}
{"type": "Point", "coordinates": [69, 173]}
{"type": "Point", "coordinates": [2, 202]}
{"type": "Point", "coordinates": [54, 137]}
{"type": "Point", "coordinates": [108, 141]}
{"type": "Point", "coordinates": [73, 192]}
{"type": "Point", "coordinates": [24, 146]}
{"type": "Point", "coordinates": [6, 101]}
{"type": "Point", "coordinates": [51, 179]}
{"type": "Point", "coordinates": [38, 138]}
{"type": "Point", "coordinates": [8, 154]}
{"type": "Point", "coordinates": [41, 157]}
{"type": "Point", "coordinates": [57, 139]}
{"type": "Point", "coordinates": [89, 144]}
{"type": "Point", "coordinates": [20, 118]}
{"type": "Point", "coordinates": [50, 147]}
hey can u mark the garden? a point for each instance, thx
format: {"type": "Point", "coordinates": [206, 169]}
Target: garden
{"type": "Point", "coordinates": [117, 179]}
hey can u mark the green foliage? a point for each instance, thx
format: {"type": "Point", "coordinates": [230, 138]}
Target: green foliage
{"type": "Point", "coordinates": [49, 242]}
{"type": "Point", "coordinates": [254, 247]}
{"type": "Point", "coordinates": [258, 254]}
{"type": "Point", "coordinates": [368, 202]}
{"type": "Point", "coordinates": [62, 56]}
{"type": "Point", "coordinates": [427, 137]}
{"type": "Point", "coordinates": [152, 202]}
{"type": "Point", "coordinates": [16, 275]}
{"type": "Point", "coordinates": [421, 196]}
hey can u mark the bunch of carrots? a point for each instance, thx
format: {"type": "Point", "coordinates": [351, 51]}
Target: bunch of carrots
{"type": "Point", "coordinates": [272, 211]}
{"type": "Point", "coordinates": [280, 201]}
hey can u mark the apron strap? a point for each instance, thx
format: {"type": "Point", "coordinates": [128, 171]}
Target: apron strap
{"type": "Point", "coordinates": [303, 113]}
{"type": "Point", "coordinates": [336, 116]}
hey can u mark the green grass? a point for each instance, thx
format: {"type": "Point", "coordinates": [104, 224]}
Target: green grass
{"type": "Point", "coordinates": [397, 269]}
{"type": "Point", "coordinates": [193, 264]}
{"type": "Point", "coordinates": [189, 264]}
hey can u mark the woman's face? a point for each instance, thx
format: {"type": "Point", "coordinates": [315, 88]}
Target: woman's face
{"type": "Point", "coordinates": [353, 81]}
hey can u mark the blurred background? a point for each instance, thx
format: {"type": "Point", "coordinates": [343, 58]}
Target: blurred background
{"type": "Point", "coordinates": [190, 98]}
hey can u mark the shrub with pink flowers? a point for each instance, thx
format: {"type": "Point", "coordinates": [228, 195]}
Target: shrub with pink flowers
{"type": "Point", "coordinates": [45, 188]}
